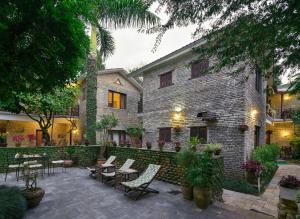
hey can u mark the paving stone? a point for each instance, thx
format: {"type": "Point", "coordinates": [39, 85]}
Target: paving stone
{"type": "Point", "coordinates": [73, 195]}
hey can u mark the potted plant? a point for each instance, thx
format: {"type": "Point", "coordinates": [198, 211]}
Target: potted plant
{"type": "Point", "coordinates": [86, 142]}
{"type": "Point", "coordinates": [161, 144]}
{"type": "Point", "coordinates": [122, 143]}
{"type": "Point", "coordinates": [193, 143]}
{"type": "Point", "coordinates": [213, 148]}
{"type": "Point", "coordinates": [148, 145]}
{"type": "Point", "coordinates": [177, 146]}
{"type": "Point", "coordinates": [114, 144]}
{"type": "Point", "coordinates": [184, 159]}
{"type": "Point", "coordinates": [128, 143]}
{"type": "Point", "coordinates": [70, 156]}
{"type": "Point", "coordinates": [243, 127]}
{"type": "Point", "coordinates": [32, 194]}
{"type": "Point", "coordinates": [199, 175]}
{"type": "Point", "coordinates": [18, 140]}
{"type": "Point", "coordinates": [253, 170]}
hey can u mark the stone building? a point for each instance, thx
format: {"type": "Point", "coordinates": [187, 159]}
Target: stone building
{"type": "Point", "coordinates": [183, 98]}
{"type": "Point", "coordinates": [280, 127]}
{"type": "Point", "coordinates": [117, 94]}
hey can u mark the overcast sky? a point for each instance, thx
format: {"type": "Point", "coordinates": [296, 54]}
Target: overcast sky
{"type": "Point", "coordinates": [134, 49]}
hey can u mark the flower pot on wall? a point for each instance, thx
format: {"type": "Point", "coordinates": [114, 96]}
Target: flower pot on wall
{"type": "Point", "coordinates": [202, 197]}
{"type": "Point", "coordinates": [243, 128]}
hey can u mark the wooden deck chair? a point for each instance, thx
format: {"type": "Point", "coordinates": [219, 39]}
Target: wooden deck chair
{"type": "Point", "coordinates": [141, 184]}
{"type": "Point", "coordinates": [103, 167]}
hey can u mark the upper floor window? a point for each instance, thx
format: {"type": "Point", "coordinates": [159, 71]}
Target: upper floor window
{"type": "Point", "coordinates": [116, 100]}
{"type": "Point", "coordinates": [165, 134]}
{"type": "Point", "coordinates": [200, 132]}
{"type": "Point", "coordinates": [199, 68]}
{"type": "Point", "coordinates": [258, 79]}
{"type": "Point", "coordinates": [166, 79]}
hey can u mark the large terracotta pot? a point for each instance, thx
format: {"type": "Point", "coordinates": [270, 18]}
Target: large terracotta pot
{"type": "Point", "coordinates": [34, 197]}
{"type": "Point", "coordinates": [187, 192]}
{"type": "Point", "coordinates": [68, 163]}
{"type": "Point", "coordinates": [202, 197]}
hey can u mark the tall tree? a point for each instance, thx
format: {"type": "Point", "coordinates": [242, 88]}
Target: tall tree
{"type": "Point", "coordinates": [259, 32]}
{"type": "Point", "coordinates": [111, 14]}
{"type": "Point", "coordinates": [43, 44]}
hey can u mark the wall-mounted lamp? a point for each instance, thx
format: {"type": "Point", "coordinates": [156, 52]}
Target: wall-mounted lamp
{"type": "Point", "coordinates": [177, 109]}
{"type": "Point", "coordinates": [177, 116]}
{"type": "Point", "coordinates": [285, 134]}
{"type": "Point", "coordinates": [254, 112]}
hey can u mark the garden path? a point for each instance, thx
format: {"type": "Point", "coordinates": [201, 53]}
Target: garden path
{"type": "Point", "coordinates": [268, 201]}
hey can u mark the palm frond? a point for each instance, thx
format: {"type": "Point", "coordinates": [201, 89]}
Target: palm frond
{"type": "Point", "coordinates": [105, 42]}
{"type": "Point", "coordinates": [125, 13]}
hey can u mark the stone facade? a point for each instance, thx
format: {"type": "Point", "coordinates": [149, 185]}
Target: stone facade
{"type": "Point", "coordinates": [232, 98]}
{"type": "Point", "coordinates": [113, 80]}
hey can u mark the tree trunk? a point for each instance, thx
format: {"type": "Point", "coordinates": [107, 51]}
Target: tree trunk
{"type": "Point", "coordinates": [46, 136]}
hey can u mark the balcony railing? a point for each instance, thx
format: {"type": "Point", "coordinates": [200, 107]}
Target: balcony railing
{"type": "Point", "coordinates": [280, 113]}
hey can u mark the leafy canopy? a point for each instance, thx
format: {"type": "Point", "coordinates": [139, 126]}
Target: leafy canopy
{"type": "Point", "coordinates": [258, 32]}
{"type": "Point", "coordinates": [43, 44]}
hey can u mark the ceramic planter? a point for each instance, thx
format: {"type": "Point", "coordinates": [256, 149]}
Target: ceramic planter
{"type": "Point", "coordinates": [68, 163]}
{"type": "Point", "coordinates": [187, 192]}
{"type": "Point", "coordinates": [202, 197]}
{"type": "Point", "coordinates": [33, 197]}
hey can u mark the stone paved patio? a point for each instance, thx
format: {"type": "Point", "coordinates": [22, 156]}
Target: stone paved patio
{"type": "Point", "coordinates": [268, 201]}
{"type": "Point", "coordinates": [75, 195]}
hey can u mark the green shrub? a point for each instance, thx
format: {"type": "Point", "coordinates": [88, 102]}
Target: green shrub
{"type": "Point", "coordinates": [200, 172]}
{"type": "Point", "coordinates": [238, 185]}
{"type": "Point", "coordinates": [295, 143]}
{"type": "Point", "coordinates": [12, 203]}
{"type": "Point", "coordinates": [266, 153]}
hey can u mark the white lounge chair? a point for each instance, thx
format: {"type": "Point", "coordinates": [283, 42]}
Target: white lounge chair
{"type": "Point", "coordinates": [141, 184]}
{"type": "Point", "coordinates": [124, 170]}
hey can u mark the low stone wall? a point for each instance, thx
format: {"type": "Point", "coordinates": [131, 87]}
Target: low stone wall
{"type": "Point", "coordinates": [170, 171]}
{"type": "Point", "coordinates": [82, 155]}
{"type": "Point", "coordinates": [288, 207]}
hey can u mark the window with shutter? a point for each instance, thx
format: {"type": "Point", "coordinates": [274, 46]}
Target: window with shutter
{"type": "Point", "coordinates": [165, 134]}
{"type": "Point", "coordinates": [199, 68]}
{"type": "Point", "coordinates": [166, 79]}
{"type": "Point", "coordinates": [200, 132]}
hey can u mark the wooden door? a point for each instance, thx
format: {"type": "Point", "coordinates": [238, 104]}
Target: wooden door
{"type": "Point", "coordinates": [39, 137]}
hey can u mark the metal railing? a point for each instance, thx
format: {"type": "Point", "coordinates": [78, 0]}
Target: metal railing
{"type": "Point", "coordinates": [280, 113]}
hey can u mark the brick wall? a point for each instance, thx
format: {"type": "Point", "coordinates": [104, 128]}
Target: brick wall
{"type": "Point", "coordinates": [230, 97]}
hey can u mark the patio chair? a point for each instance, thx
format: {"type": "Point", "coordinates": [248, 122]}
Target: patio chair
{"type": "Point", "coordinates": [33, 165]}
{"type": "Point", "coordinates": [141, 184]}
{"type": "Point", "coordinates": [124, 169]}
{"type": "Point", "coordinates": [16, 166]}
{"type": "Point", "coordinates": [103, 167]}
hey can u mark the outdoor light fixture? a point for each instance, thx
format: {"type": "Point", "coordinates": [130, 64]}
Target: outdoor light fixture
{"type": "Point", "coordinates": [254, 112]}
{"type": "Point", "coordinates": [177, 109]}
{"type": "Point", "coordinates": [285, 134]}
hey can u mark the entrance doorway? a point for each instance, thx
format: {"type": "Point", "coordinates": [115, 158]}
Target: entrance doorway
{"type": "Point", "coordinates": [39, 137]}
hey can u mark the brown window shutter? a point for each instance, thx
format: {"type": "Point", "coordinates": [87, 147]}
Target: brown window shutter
{"type": "Point", "coordinates": [166, 79]}
{"type": "Point", "coordinates": [199, 68]}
